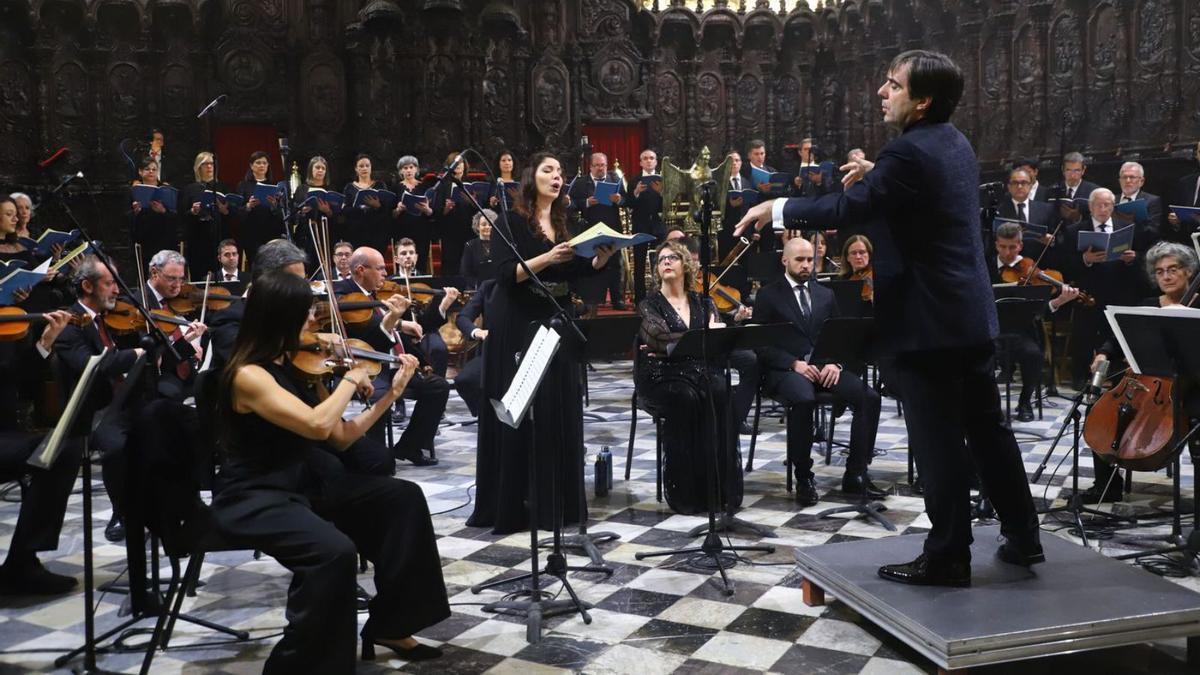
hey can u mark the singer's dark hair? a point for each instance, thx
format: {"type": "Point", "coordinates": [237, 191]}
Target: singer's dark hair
{"type": "Point", "coordinates": [500, 155]}
{"type": "Point", "coordinates": [145, 162]}
{"type": "Point", "coordinates": [254, 157]}
{"type": "Point", "coordinates": [526, 205]}
{"type": "Point", "coordinates": [11, 237]}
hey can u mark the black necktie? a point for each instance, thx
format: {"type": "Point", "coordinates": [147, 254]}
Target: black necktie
{"type": "Point", "coordinates": [805, 308]}
{"type": "Point", "coordinates": [1070, 193]}
{"type": "Point", "coordinates": [1021, 211]}
{"type": "Point", "coordinates": [737, 183]}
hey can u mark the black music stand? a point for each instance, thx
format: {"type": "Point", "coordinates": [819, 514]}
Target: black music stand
{"type": "Point", "coordinates": [1163, 343]}
{"type": "Point", "coordinates": [763, 266]}
{"type": "Point", "coordinates": [720, 343]}
{"type": "Point", "coordinates": [1017, 308]}
{"type": "Point", "coordinates": [848, 295]}
{"type": "Point", "coordinates": [847, 341]}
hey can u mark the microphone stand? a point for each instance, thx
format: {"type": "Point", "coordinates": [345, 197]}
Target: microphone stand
{"type": "Point", "coordinates": [285, 209]}
{"type": "Point", "coordinates": [214, 211]}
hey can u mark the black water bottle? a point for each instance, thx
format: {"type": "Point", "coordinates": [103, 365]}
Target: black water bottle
{"type": "Point", "coordinates": [603, 477]}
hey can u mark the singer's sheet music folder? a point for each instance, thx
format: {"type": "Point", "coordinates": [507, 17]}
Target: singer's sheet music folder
{"type": "Point", "coordinates": [534, 363]}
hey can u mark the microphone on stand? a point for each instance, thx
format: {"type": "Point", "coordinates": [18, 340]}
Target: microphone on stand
{"type": "Point", "coordinates": [67, 179]}
{"type": "Point", "coordinates": [212, 106]}
{"type": "Point", "coordinates": [1096, 387]}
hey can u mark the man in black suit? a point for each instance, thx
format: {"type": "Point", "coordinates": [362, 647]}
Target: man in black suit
{"type": "Point", "coordinates": [934, 315]}
{"type": "Point", "coordinates": [228, 274]}
{"type": "Point", "coordinates": [425, 342]}
{"type": "Point", "coordinates": [469, 381]}
{"type": "Point", "coordinates": [1185, 193]}
{"type": "Point", "coordinates": [591, 211]}
{"type": "Point", "coordinates": [647, 215]}
{"type": "Point", "coordinates": [791, 377]}
{"type": "Point", "coordinates": [1074, 166]}
{"type": "Point", "coordinates": [44, 500]}
{"type": "Point", "coordinates": [1020, 206]}
{"type": "Point", "coordinates": [383, 333]}
{"type": "Point", "coordinates": [165, 283]}
{"type": "Point", "coordinates": [97, 294]}
{"type": "Point", "coordinates": [1132, 178]}
{"type": "Point", "coordinates": [1037, 191]}
{"type": "Point", "coordinates": [735, 205]}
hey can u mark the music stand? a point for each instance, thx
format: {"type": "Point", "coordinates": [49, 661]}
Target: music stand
{"type": "Point", "coordinates": [1162, 342]}
{"type": "Point", "coordinates": [763, 265]}
{"type": "Point", "coordinates": [720, 343]}
{"type": "Point", "coordinates": [848, 295]}
{"type": "Point", "coordinates": [1017, 307]}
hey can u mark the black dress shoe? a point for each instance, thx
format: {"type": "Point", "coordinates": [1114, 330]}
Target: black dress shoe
{"type": "Point", "coordinates": [30, 578]}
{"type": "Point", "coordinates": [1024, 413]}
{"type": "Point", "coordinates": [1025, 552]}
{"type": "Point", "coordinates": [806, 492]}
{"type": "Point", "coordinates": [114, 531]}
{"type": "Point", "coordinates": [745, 429]}
{"type": "Point", "coordinates": [926, 572]}
{"type": "Point", "coordinates": [619, 306]}
{"type": "Point", "coordinates": [418, 458]}
{"type": "Point", "coordinates": [1093, 494]}
{"type": "Point", "coordinates": [860, 485]}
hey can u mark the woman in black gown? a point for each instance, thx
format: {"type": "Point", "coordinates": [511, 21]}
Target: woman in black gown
{"type": "Point", "coordinates": [283, 495]}
{"type": "Point", "coordinates": [370, 224]}
{"type": "Point", "coordinates": [155, 228]}
{"type": "Point", "coordinates": [413, 223]}
{"type": "Point", "coordinates": [317, 176]}
{"type": "Point", "coordinates": [204, 226]}
{"type": "Point", "coordinates": [506, 174]}
{"type": "Point", "coordinates": [260, 221]}
{"type": "Point", "coordinates": [693, 400]}
{"type": "Point", "coordinates": [452, 222]}
{"type": "Point", "coordinates": [477, 265]}
{"type": "Point", "coordinates": [538, 228]}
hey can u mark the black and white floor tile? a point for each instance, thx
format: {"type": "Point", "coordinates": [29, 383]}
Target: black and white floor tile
{"type": "Point", "coordinates": [652, 616]}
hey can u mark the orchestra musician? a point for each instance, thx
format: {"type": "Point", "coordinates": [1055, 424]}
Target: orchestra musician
{"type": "Point", "coordinates": [259, 222]}
{"type": "Point", "coordinates": [538, 228]}
{"type": "Point", "coordinates": [856, 264]}
{"type": "Point", "coordinates": [692, 398]}
{"type": "Point", "coordinates": [200, 223]}
{"type": "Point", "coordinates": [44, 500]}
{"type": "Point", "coordinates": [1024, 347]}
{"type": "Point", "coordinates": [383, 332]}
{"type": "Point", "coordinates": [285, 496]}
{"type": "Point", "coordinates": [164, 284]}
{"type": "Point", "coordinates": [228, 258]}
{"type": "Point", "coordinates": [923, 182]}
{"type": "Point", "coordinates": [646, 207]}
{"type": "Point", "coordinates": [1172, 266]}
{"type": "Point", "coordinates": [97, 294]}
{"type": "Point", "coordinates": [341, 259]}
{"type": "Point", "coordinates": [581, 200]}
{"type": "Point", "coordinates": [477, 264]}
{"type": "Point", "coordinates": [790, 377]}
{"type": "Point", "coordinates": [154, 228]}
{"type": "Point", "coordinates": [413, 223]}
{"type": "Point", "coordinates": [429, 346]}
{"type": "Point", "coordinates": [469, 380]}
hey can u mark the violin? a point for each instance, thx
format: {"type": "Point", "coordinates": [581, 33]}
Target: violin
{"type": "Point", "coordinates": [190, 298]}
{"type": "Point", "coordinates": [1027, 273]}
{"type": "Point", "coordinates": [355, 308]}
{"type": "Point", "coordinates": [326, 353]}
{"type": "Point", "coordinates": [1133, 424]}
{"type": "Point", "coordinates": [867, 276]}
{"type": "Point", "coordinates": [15, 322]}
{"type": "Point", "coordinates": [725, 298]}
{"type": "Point", "coordinates": [124, 319]}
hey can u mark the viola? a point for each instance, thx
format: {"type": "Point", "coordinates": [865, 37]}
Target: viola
{"type": "Point", "coordinates": [325, 353]}
{"type": "Point", "coordinates": [15, 322]}
{"type": "Point", "coordinates": [1027, 273]}
{"type": "Point", "coordinates": [190, 299]}
{"type": "Point", "coordinates": [867, 276]}
{"type": "Point", "coordinates": [1133, 424]}
{"type": "Point", "coordinates": [725, 298]}
{"type": "Point", "coordinates": [124, 318]}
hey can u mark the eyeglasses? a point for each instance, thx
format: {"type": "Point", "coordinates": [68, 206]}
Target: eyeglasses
{"type": "Point", "coordinates": [172, 280]}
{"type": "Point", "coordinates": [1168, 271]}
{"type": "Point", "coordinates": [1019, 183]}
{"type": "Point", "coordinates": [669, 257]}
{"type": "Point", "coordinates": [343, 254]}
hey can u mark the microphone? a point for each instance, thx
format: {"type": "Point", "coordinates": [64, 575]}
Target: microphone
{"type": "Point", "coordinates": [1095, 388]}
{"type": "Point", "coordinates": [65, 180]}
{"type": "Point", "coordinates": [448, 170]}
{"type": "Point", "coordinates": [284, 148]}
{"type": "Point", "coordinates": [54, 158]}
{"type": "Point", "coordinates": [212, 106]}
{"type": "Point", "coordinates": [992, 185]}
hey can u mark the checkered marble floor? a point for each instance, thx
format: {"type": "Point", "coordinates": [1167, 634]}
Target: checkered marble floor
{"type": "Point", "coordinates": [652, 616]}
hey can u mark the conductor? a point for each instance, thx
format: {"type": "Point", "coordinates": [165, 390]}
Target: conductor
{"type": "Point", "coordinates": [922, 191]}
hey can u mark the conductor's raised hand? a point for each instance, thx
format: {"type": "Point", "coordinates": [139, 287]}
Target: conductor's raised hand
{"type": "Point", "coordinates": [855, 170]}
{"type": "Point", "coordinates": [756, 218]}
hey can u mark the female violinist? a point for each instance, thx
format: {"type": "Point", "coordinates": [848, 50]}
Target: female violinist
{"type": "Point", "coordinates": [289, 498]}
{"type": "Point", "coordinates": [856, 264]}
{"type": "Point", "coordinates": [1172, 266]}
{"type": "Point", "coordinates": [414, 221]}
{"type": "Point", "coordinates": [261, 221]}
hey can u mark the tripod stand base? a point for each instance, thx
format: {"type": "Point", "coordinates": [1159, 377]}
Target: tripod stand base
{"type": "Point", "coordinates": [586, 542]}
{"type": "Point", "coordinates": [730, 523]}
{"type": "Point", "coordinates": [712, 549]}
{"type": "Point", "coordinates": [872, 510]}
{"type": "Point", "coordinates": [537, 605]}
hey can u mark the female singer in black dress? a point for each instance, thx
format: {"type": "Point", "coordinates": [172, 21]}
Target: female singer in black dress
{"type": "Point", "coordinates": [452, 222]}
{"type": "Point", "coordinates": [693, 400]}
{"type": "Point", "coordinates": [283, 495]}
{"type": "Point", "coordinates": [260, 222]}
{"type": "Point", "coordinates": [477, 265]}
{"type": "Point", "coordinates": [155, 228]}
{"type": "Point", "coordinates": [506, 169]}
{"type": "Point", "coordinates": [317, 176]}
{"type": "Point", "coordinates": [538, 227]}
{"type": "Point", "coordinates": [10, 247]}
{"type": "Point", "coordinates": [413, 223]}
{"type": "Point", "coordinates": [370, 224]}
{"type": "Point", "coordinates": [204, 227]}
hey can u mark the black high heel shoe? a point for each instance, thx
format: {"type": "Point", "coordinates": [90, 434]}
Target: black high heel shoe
{"type": "Point", "coordinates": [421, 652]}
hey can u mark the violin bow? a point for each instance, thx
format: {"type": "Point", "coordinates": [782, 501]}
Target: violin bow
{"type": "Point", "coordinates": [204, 300]}
{"type": "Point", "coordinates": [137, 255]}
{"type": "Point", "coordinates": [1029, 275]}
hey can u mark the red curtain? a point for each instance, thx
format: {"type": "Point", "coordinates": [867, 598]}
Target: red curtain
{"type": "Point", "coordinates": [234, 145]}
{"type": "Point", "coordinates": [622, 142]}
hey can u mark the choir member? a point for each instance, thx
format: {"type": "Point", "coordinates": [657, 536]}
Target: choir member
{"type": "Point", "coordinates": [646, 206]}
{"type": "Point", "coordinates": [204, 226]}
{"type": "Point", "coordinates": [538, 228]}
{"type": "Point", "coordinates": [370, 223]}
{"type": "Point", "coordinates": [1021, 206]}
{"type": "Point", "coordinates": [452, 216]}
{"type": "Point", "coordinates": [593, 289]}
{"type": "Point", "coordinates": [414, 222]}
{"type": "Point", "coordinates": [155, 228]}
{"type": "Point", "coordinates": [1132, 177]}
{"type": "Point", "coordinates": [309, 217]}
{"type": "Point", "coordinates": [25, 211]}
{"type": "Point", "coordinates": [1185, 193]}
{"type": "Point", "coordinates": [506, 168]}
{"type": "Point", "coordinates": [260, 221]}
{"type": "Point", "coordinates": [735, 205]}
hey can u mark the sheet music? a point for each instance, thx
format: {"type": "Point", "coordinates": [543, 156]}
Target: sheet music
{"type": "Point", "coordinates": [47, 451]}
{"type": "Point", "coordinates": [534, 364]}
{"type": "Point", "coordinates": [1112, 312]}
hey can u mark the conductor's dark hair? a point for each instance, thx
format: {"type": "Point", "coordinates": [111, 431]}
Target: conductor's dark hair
{"type": "Point", "coordinates": [933, 75]}
{"type": "Point", "coordinates": [276, 310]}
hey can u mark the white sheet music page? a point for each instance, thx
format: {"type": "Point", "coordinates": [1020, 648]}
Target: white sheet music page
{"type": "Point", "coordinates": [1113, 311]}
{"type": "Point", "coordinates": [516, 401]}
{"type": "Point", "coordinates": [47, 451]}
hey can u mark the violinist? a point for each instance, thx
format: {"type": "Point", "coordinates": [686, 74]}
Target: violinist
{"type": "Point", "coordinates": [155, 228]}
{"type": "Point", "coordinates": [1025, 346]}
{"type": "Point", "coordinates": [341, 259]}
{"type": "Point", "coordinates": [469, 380]}
{"type": "Point", "coordinates": [856, 264]}
{"type": "Point", "coordinates": [792, 379]}
{"type": "Point", "coordinates": [228, 258]}
{"type": "Point", "coordinates": [44, 501]}
{"type": "Point", "coordinates": [165, 282]}
{"type": "Point", "coordinates": [383, 331]}
{"type": "Point", "coordinates": [286, 496]}
{"type": "Point", "coordinates": [97, 294]}
{"type": "Point", "coordinates": [1172, 266]}
{"type": "Point", "coordinates": [204, 226]}
{"type": "Point", "coordinates": [424, 340]}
